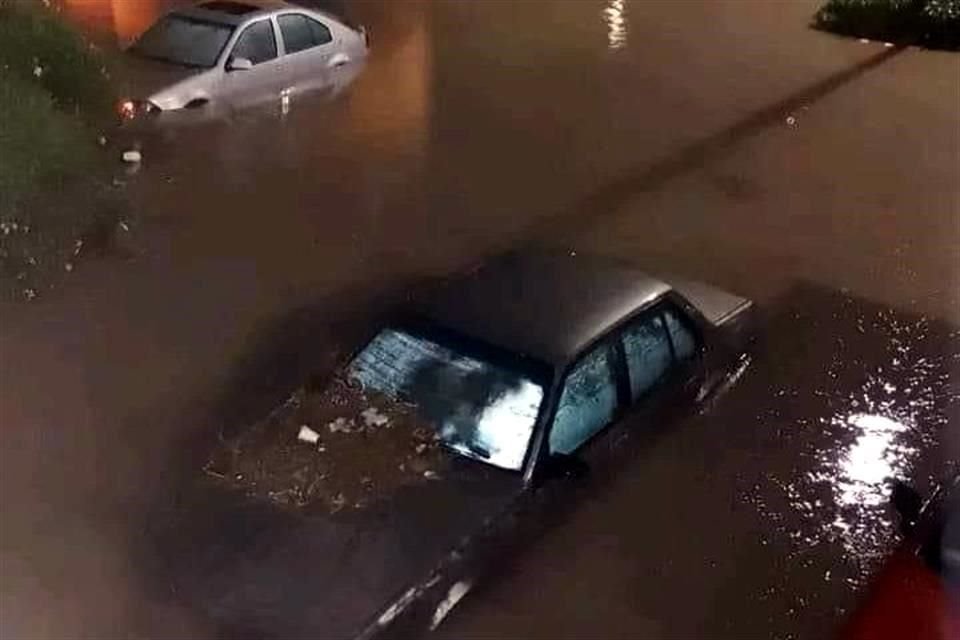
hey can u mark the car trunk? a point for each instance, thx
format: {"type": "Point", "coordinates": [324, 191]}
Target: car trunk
{"type": "Point", "coordinates": [717, 306]}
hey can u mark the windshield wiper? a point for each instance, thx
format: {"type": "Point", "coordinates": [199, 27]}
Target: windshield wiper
{"type": "Point", "coordinates": [477, 450]}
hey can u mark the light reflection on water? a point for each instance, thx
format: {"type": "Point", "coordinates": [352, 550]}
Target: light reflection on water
{"type": "Point", "coordinates": [615, 17]}
{"type": "Point", "coordinates": [859, 476]}
{"type": "Point", "coordinates": [874, 458]}
{"type": "Point", "coordinates": [124, 19]}
{"type": "Point", "coordinates": [858, 439]}
{"type": "Point", "coordinates": [875, 437]}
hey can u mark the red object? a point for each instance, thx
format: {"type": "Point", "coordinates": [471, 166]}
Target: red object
{"type": "Point", "coordinates": [907, 601]}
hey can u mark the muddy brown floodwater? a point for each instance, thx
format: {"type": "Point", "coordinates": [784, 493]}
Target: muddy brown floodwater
{"type": "Point", "coordinates": [720, 140]}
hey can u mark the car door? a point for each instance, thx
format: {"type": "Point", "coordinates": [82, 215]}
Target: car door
{"type": "Point", "coordinates": [261, 82]}
{"type": "Point", "coordinates": [663, 356]}
{"type": "Point", "coordinates": [309, 52]}
{"type": "Point", "coordinates": [624, 383]}
{"type": "Point", "coordinates": [591, 398]}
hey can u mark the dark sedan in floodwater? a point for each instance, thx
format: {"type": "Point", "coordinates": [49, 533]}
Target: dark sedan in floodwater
{"type": "Point", "coordinates": [534, 372]}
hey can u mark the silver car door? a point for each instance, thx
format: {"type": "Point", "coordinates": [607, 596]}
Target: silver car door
{"type": "Point", "coordinates": [310, 47]}
{"type": "Point", "coordinates": [261, 80]}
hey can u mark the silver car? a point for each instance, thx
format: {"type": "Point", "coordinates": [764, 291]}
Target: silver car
{"type": "Point", "coordinates": [234, 54]}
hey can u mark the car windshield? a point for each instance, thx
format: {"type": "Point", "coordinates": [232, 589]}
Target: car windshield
{"type": "Point", "coordinates": [478, 409]}
{"type": "Point", "coordinates": [185, 41]}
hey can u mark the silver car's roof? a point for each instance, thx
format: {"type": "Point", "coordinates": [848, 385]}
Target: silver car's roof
{"type": "Point", "coordinates": [237, 12]}
{"type": "Point", "coordinates": [547, 306]}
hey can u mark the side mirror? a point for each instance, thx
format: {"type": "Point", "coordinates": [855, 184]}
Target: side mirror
{"type": "Point", "coordinates": [908, 503]}
{"type": "Point", "coordinates": [239, 64]}
{"type": "Point", "coordinates": [570, 467]}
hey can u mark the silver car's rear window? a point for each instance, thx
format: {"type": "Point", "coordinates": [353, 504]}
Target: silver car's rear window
{"type": "Point", "coordinates": [184, 40]}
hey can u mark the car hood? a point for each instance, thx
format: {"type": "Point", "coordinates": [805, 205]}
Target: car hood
{"type": "Point", "coordinates": [140, 78]}
{"type": "Point", "coordinates": [256, 570]}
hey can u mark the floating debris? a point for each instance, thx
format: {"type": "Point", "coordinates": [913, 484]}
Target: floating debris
{"type": "Point", "coordinates": [361, 463]}
{"type": "Point", "coordinates": [341, 425]}
{"type": "Point", "coordinates": [132, 156]}
{"type": "Point", "coordinates": [12, 226]}
{"type": "Point", "coordinates": [373, 418]}
{"type": "Point", "coordinates": [306, 434]}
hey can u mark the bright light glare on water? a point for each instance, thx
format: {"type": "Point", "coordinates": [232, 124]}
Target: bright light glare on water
{"type": "Point", "coordinates": [864, 471]}
{"type": "Point", "coordinates": [615, 17]}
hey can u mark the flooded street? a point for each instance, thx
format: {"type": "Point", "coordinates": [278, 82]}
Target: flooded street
{"type": "Point", "coordinates": [723, 141]}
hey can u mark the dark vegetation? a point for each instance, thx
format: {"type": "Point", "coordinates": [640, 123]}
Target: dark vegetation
{"type": "Point", "coordinates": [55, 106]}
{"type": "Point", "coordinates": [930, 23]}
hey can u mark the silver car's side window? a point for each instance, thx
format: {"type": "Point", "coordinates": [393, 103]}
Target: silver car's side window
{"type": "Point", "coordinates": [301, 32]}
{"type": "Point", "coordinates": [321, 34]}
{"type": "Point", "coordinates": [257, 43]}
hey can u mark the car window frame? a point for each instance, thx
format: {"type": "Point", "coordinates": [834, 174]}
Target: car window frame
{"type": "Point", "coordinates": [626, 406]}
{"type": "Point", "coordinates": [677, 366]}
{"type": "Point", "coordinates": [688, 321]}
{"type": "Point", "coordinates": [655, 312]}
{"type": "Point", "coordinates": [616, 361]}
{"type": "Point", "coordinates": [308, 17]}
{"type": "Point", "coordinates": [238, 33]}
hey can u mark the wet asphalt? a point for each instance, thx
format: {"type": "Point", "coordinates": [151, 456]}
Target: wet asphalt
{"type": "Point", "coordinates": [720, 140]}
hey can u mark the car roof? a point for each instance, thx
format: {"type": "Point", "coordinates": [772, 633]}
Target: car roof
{"type": "Point", "coordinates": [236, 12]}
{"type": "Point", "coordinates": [543, 305]}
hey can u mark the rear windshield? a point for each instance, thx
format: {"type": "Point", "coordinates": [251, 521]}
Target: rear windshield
{"type": "Point", "coordinates": [185, 41]}
{"type": "Point", "coordinates": [479, 410]}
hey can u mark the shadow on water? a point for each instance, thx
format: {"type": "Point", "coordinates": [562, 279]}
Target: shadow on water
{"type": "Point", "coordinates": [649, 177]}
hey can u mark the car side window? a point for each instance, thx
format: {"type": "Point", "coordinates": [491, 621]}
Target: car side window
{"type": "Point", "coordinates": [296, 32]}
{"type": "Point", "coordinates": [684, 340]}
{"type": "Point", "coordinates": [257, 43]}
{"type": "Point", "coordinates": [300, 32]}
{"type": "Point", "coordinates": [321, 34]}
{"type": "Point", "coordinates": [647, 350]}
{"type": "Point", "coordinates": [588, 402]}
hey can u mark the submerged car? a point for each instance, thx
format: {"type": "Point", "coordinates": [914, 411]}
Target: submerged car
{"type": "Point", "coordinates": [532, 371]}
{"type": "Point", "coordinates": [236, 53]}
{"type": "Point", "coordinates": [916, 594]}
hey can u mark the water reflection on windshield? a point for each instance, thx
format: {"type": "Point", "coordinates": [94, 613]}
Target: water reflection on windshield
{"type": "Point", "coordinates": [479, 409]}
